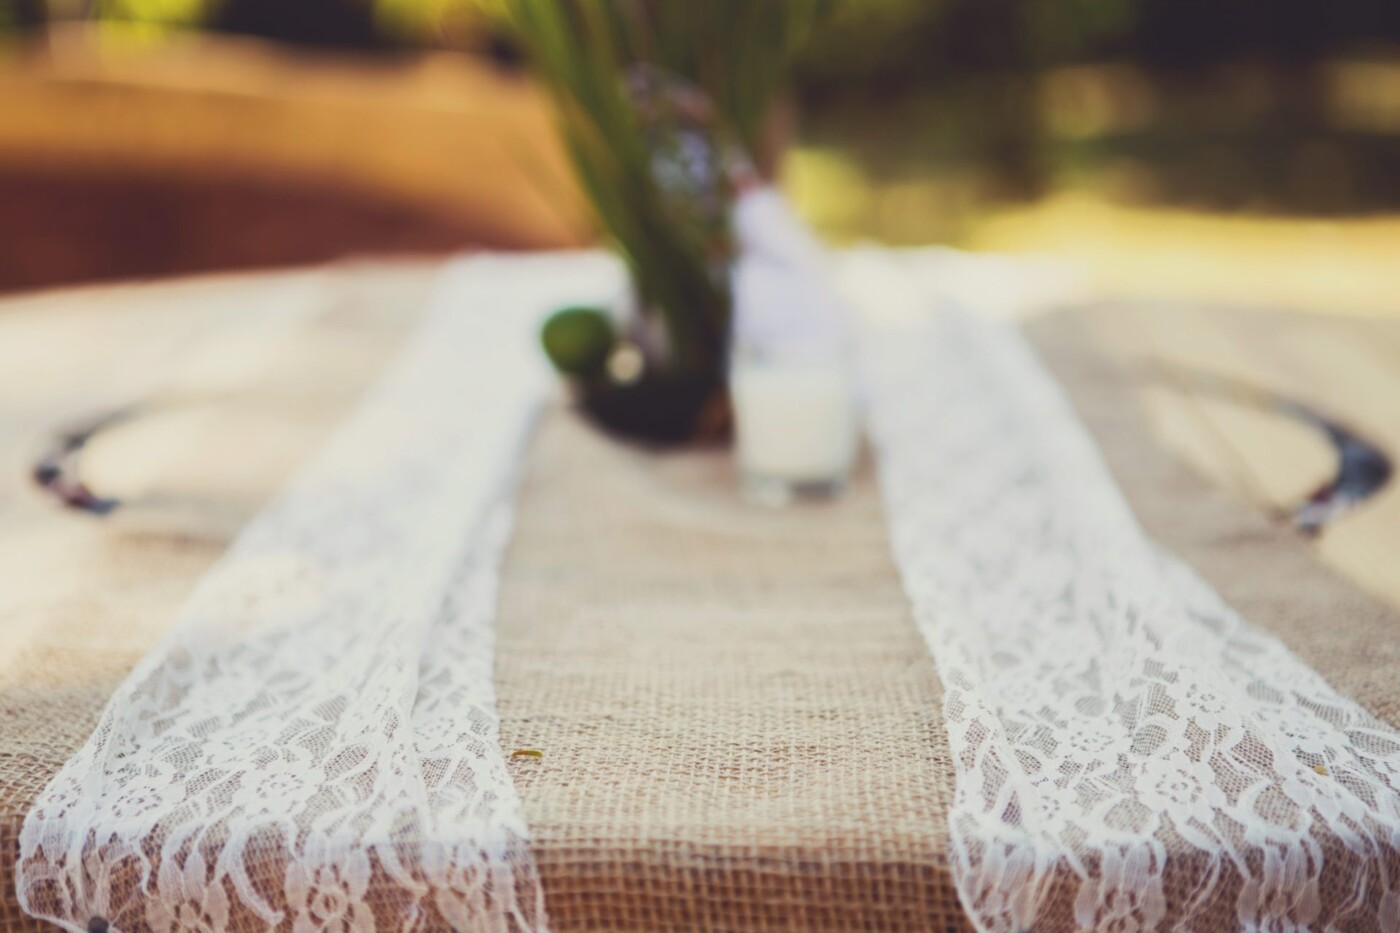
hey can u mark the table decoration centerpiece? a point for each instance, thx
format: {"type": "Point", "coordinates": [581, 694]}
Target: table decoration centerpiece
{"type": "Point", "coordinates": [791, 377]}
{"type": "Point", "coordinates": [662, 107]}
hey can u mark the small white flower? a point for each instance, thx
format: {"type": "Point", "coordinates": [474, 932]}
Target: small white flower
{"type": "Point", "coordinates": [326, 889]}
{"type": "Point", "coordinates": [190, 900]}
{"type": "Point", "coordinates": [276, 787]}
{"type": "Point", "coordinates": [1204, 706]}
{"type": "Point", "coordinates": [1177, 782]}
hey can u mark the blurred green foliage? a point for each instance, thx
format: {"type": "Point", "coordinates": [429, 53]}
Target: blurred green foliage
{"type": "Point", "coordinates": [868, 43]}
{"type": "Point", "coordinates": [156, 14]}
{"type": "Point", "coordinates": [658, 102]}
{"type": "Point", "coordinates": [1216, 102]}
{"type": "Point", "coordinates": [19, 16]}
{"type": "Point", "coordinates": [899, 44]}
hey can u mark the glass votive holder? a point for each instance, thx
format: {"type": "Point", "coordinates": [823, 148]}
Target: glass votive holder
{"type": "Point", "coordinates": [797, 430]}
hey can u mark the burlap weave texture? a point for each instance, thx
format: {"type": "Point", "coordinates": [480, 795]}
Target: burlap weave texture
{"type": "Point", "coordinates": [740, 726]}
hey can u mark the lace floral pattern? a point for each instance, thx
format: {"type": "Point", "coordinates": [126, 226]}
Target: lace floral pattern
{"type": "Point", "coordinates": [314, 745]}
{"type": "Point", "coordinates": [1130, 754]}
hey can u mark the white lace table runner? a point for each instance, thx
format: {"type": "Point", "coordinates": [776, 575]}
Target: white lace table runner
{"type": "Point", "coordinates": [1130, 754]}
{"type": "Point", "coordinates": [315, 742]}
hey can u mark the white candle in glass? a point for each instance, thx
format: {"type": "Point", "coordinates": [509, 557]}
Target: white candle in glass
{"type": "Point", "coordinates": [790, 375]}
{"type": "Point", "coordinates": [796, 426]}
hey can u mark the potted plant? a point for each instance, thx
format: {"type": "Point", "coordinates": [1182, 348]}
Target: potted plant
{"type": "Point", "coordinates": [661, 106]}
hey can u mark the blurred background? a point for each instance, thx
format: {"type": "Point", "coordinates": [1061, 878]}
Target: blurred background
{"type": "Point", "coordinates": [1219, 178]}
{"type": "Point", "coordinates": [1234, 149]}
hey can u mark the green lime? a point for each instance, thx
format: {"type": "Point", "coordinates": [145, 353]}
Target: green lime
{"type": "Point", "coordinates": [578, 340]}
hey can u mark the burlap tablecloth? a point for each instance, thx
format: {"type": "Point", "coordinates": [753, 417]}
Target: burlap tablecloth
{"type": "Point", "coordinates": [739, 723]}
